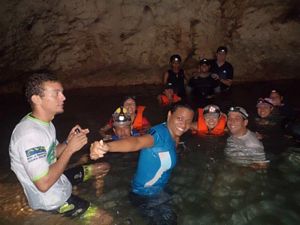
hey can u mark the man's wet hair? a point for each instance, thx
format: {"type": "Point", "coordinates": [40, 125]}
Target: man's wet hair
{"type": "Point", "coordinates": [125, 98]}
{"type": "Point", "coordinates": [34, 84]}
{"type": "Point", "coordinates": [181, 104]}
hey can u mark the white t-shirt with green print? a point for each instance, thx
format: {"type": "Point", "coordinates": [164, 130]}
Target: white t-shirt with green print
{"type": "Point", "coordinates": [32, 151]}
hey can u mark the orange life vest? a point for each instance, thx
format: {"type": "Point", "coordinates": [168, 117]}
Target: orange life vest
{"type": "Point", "coordinates": [203, 129]}
{"type": "Point", "coordinates": [138, 120]}
{"type": "Point", "coordinates": [165, 101]}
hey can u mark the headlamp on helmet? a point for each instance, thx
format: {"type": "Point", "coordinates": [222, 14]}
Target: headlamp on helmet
{"type": "Point", "coordinates": [240, 110]}
{"type": "Point", "coordinates": [121, 117]}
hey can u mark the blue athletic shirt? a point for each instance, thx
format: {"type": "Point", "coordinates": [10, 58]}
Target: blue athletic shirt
{"type": "Point", "coordinates": [155, 163]}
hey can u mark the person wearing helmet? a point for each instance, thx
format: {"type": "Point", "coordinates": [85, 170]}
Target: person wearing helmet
{"type": "Point", "coordinates": [176, 76]}
{"type": "Point", "coordinates": [139, 122]}
{"type": "Point", "coordinates": [243, 147]}
{"type": "Point", "coordinates": [168, 96]}
{"type": "Point", "coordinates": [222, 71]}
{"type": "Point", "coordinates": [156, 161]}
{"type": "Point", "coordinates": [211, 121]}
{"type": "Point", "coordinates": [122, 126]}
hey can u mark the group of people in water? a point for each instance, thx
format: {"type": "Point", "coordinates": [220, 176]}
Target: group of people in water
{"type": "Point", "coordinates": [40, 161]}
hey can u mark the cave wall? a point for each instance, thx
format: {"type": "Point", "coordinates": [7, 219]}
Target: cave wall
{"type": "Point", "coordinates": [121, 42]}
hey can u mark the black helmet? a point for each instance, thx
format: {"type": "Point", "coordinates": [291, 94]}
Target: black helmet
{"type": "Point", "coordinates": [175, 58]}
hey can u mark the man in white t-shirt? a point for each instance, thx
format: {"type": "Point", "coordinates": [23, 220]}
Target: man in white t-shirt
{"type": "Point", "coordinates": [39, 160]}
{"type": "Point", "coordinates": [243, 147]}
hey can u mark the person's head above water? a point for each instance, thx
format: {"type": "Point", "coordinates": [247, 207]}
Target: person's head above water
{"type": "Point", "coordinates": [237, 121]}
{"type": "Point", "coordinates": [211, 114]}
{"type": "Point", "coordinates": [35, 84]}
{"type": "Point", "coordinates": [122, 123]}
{"type": "Point", "coordinates": [129, 103]}
{"type": "Point", "coordinates": [45, 95]}
{"type": "Point", "coordinates": [264, 107]}
{"type": "Point", "coordinates": [179, 119]}
{"type": "Point", "coordinates": [277, 98]}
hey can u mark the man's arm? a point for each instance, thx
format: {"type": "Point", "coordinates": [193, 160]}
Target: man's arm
{"type": "Point", "coordinates": [56, 169]}
{"type": "Point", "coordinates": [227, 82]}
{"type": "Point", "coordinates": [130, 144]}
{"type": "Point", "coordinates": [165, 78]}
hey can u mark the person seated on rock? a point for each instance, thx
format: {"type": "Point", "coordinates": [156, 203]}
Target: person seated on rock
{"type": "Point", "coordinates": [222, 71]}
{"type": "Point", "coordinates": [201, 83]}
{"type": "Point", "coordinates": [139, 121]}
{"type": "Point", "coordinates": [168, 96]}
{"type": "Point", "coordinates": [176, 76]}
{"type": "Point", "coordinates": [211, 121]}
{"type": "Point", "coordinates": [243, 147]}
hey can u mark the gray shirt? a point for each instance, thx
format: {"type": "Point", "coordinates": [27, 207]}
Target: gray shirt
{"type": "Point", "coordinates": [246, 149]}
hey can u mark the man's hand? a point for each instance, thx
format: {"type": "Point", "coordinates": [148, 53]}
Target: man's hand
{"type": "Point", "coordinates": [98, 149]}
{"type": "Point", "coordinates": [76, 129]}
{"type": "Point", "coordinates": [77, 138]}
{"type": "Point", "coordinates": [215, 76]}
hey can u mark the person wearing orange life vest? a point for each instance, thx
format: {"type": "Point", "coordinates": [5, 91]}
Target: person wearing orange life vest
{"type": "Point", "coordinates": [168, 96]}
{"type": "Point", "coordinates": [211, 121]}
{"type": "Point", "coordinates": [139, 121]}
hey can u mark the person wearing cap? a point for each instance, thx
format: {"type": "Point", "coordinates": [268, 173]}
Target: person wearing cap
{"type": "Point", "coordinates": [222, 71]}
{"type": "Point", "coordinates": [264, 108]}
{"type": "Point", "coordinates": [139, 121]}
{"type": "Point", "coordinates": [176, 76]}
{"type": "Point", "coordinates": [156, 161]}
{"type": "Point", "coordinates": [168, 96]}
{"type": "Point", "coordinates": [243, 147]}
{"type": "Point", "coordinates": [122, 126]}
{"type": "Point", "coordinates": [211, 121]}
{"type": "Point", "coordinates": [201, 83]}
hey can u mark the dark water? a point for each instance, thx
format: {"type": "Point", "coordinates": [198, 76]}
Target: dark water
{"type": "Point", "coordinates": [207, 189]}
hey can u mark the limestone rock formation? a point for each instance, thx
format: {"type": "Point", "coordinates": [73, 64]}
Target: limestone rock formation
{"type": "Point", "coordinates": [122, 42]}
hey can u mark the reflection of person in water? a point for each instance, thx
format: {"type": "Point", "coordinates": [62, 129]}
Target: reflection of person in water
{"type": "Point", "coordinates": [243, 147]}
{"type": "Point", "coordinates": [156, 161]}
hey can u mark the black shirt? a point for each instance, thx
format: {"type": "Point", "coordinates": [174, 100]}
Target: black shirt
{"type": "Point", "coordinates": [225, 72]}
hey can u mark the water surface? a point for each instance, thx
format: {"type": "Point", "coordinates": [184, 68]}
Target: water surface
{"type": "Point", "coordinates": [206, 188]}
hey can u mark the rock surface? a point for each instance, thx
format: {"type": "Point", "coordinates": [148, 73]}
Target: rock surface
{"type": "Point", "coordinates": [123, 42]}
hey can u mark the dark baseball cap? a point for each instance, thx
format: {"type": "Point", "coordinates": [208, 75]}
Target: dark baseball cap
{"type": "Point", "coordinates": [222, 49]}
{"type": "Point", "coordinates": [204, 61]}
